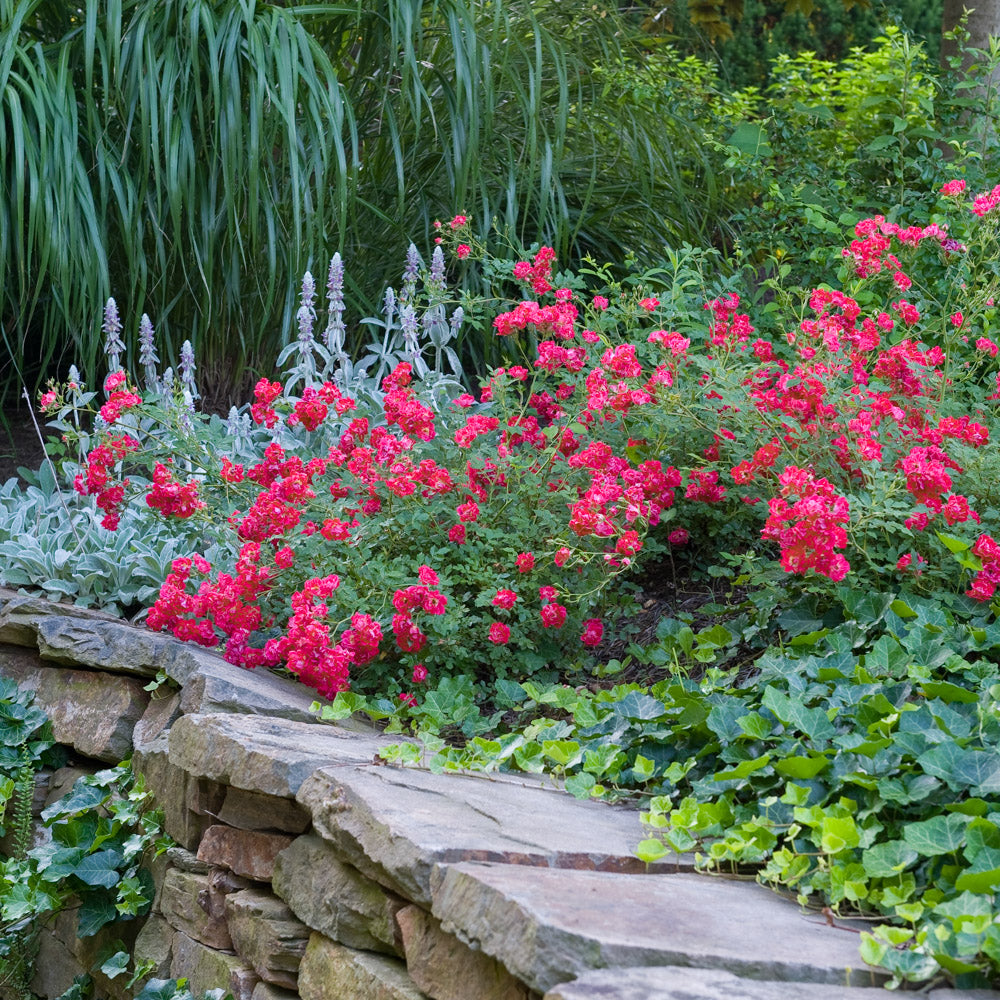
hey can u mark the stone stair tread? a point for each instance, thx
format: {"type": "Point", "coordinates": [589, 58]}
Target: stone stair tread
{"type": "Point", "coordinates": [263, 754]}
{"type": "Point", "coordinates": [549, 926]}
{"type": "Point", "coordinates": [395, 824]}
{"type": "Point", "coordinates": [673, 982]}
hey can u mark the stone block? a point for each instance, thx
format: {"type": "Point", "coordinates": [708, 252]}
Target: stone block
{"type": "Point", "coordinates": [61, 782]}
{"type": "Point", "coordinates": [446, 968]}
{"type": "Point", "coordinates": [217, 686]}
{"type": "Point", "coordinates": [64, 947]}
{"type": "Point", "coordinates": [675, 983]}
{"type": "Point", "coordinates": [55, 968]}
{"type": "Point", "coordinates": [265, 991]}
{"type": "Point", "coordinates": [170, 786]}
{"type": "Point", "coordinates": [253, 811]}
{"type": "Point", "coordinates": [396, 824]}
{"type": "Point", "coordinates": [334, 898]}
{"type": "Point", "coordinates": [245, 852]}
{"type": "Point", "coordinates": [257, 754]}
{"type": "Point", "coordinates": [108, 645]}
{"type": "Point", "coordinates": [191, 903]}
{"type": "Point", "coordinates": [94, 713]}
{"type": "Point", "coordinates": [330, 971]}
{"type": "Point", "coordinates": [207, 969]}
{"type": "Point", "coordinates": [21, 613]}
{"type": "Point", "coordinates": [548, 926]}
{"type": "Point", "coordinates": [68, 635]}
{"type": "Point", "coordinates": [155, 944]}
{"type": "Point", "coordinates": [266, 934]}
{"type": "Point", "coordinates": [946, 994]}
{"type": "Point", "coordinates": [163, 710]}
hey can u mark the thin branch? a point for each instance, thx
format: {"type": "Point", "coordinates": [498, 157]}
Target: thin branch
{"type": "Point", "coordinates": [55, 473]}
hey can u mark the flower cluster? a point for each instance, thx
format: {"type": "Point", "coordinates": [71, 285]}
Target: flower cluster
{"type": "Point", "coordinates": [97, 479]}
{"type": "Point", "coordinates": [552, 477]}
{"type": "Point", "coordinates": [172, 498]}
{"type": "Point", "coordinates": [810, 528]}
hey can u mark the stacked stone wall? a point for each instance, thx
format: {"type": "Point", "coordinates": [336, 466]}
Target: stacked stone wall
{"type": "Point", "coordinates": [305, 867]}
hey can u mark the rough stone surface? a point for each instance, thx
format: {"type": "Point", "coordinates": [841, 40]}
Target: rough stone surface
{"type": "Point", "coordinates": [68, 635]}
{"type": "Point", "coordinates": [675, 983]}
{"type": "Point", "coordinates": [329, 971]}
{"type": "Point", "coordinates": [218, 686]}
{"type": "Point", "coordinates": [207, 969]}
{"type": "Point", "coordinates": [335, 898]}
{"type": "Point", "coordinates": [61, 782]}
{"type": "Point", "coordinates": [245, 852]}
{"type": "Point", "coordinates": [253, 811]}
{"type": "Point", "coordinates": [192, 904]}
{"type": "Point", "coordinates": [87, 952]}
{"type": "Point", "coordinates": [446, 969]}
{"type": "Point", "coordinates": [396, 824]}
{"type": "Point", "coordinates": [267, 935]}
{"type": "Point", "coordinates": [91, 712]}
{"type": "Point", "coordinates": [107, 645]}
{"type": "Point", "coordinates": [271, 756]}
{"type": "Point", "coordinates": [963, 995]}
{"type": "Point", "coordinates": [163, 710]}
{"type": "Point", "coordinates": [155, 944]}
{"type": "Point", "coordinates": [55, 968]}
{"type": "Point", "coordinates": [548, 926]}
{"type": "Point", "coordinates": [265, 991]}
{"type": "Point", "coordinates": [173, 790]}
{"type": "Point", "coordinates": [20, 615]}
{"type": "Point", "coordinates": [183, 859]}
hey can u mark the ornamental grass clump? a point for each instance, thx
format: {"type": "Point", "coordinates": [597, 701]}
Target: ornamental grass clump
{"type": "Point", "coordinates": [373, 536]}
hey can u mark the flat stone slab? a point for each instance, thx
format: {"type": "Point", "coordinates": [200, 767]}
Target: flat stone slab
{"type": "Point", "coordinates": [114, 646]}
{"type": "Point", "coordinates": [335, 898]}
{"type": "Point", "coordinates": [207, 969]}
{"type": "Point", "coordinates": [71, 636]}
{"type": "Point", "coordinates": [396, 824]}
{"type": "Point", "coordinates": [262, 754]}
{"type": "Point", "coordinates": [217, 686]}
{"type": "Point", "coordinates": [549, 926]}
{"type": "Point", "coordinates": [246, 852]}
{"type": "Point", "coordinates": [676, 983]}
{"type": "Point", "coordinates": [20, 614]}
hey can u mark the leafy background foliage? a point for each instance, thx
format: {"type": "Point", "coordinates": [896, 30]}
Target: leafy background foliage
{"type": "Point", "coordinates": [194, 158]}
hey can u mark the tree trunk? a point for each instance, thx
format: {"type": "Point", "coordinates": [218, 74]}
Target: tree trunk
{"type": "Point", "coordinates": [983, 24]}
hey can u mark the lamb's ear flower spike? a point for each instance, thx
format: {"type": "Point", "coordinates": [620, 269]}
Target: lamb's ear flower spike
{"type": "Point", "coordinates": [333, 336]}
{"type": "Point", "coordinates": [187, 369]}
{"type": "Point", "coordinates": [147, 352]}
{"type": "Point", "coordinates": [114, 346]}
{"type": "Point", "coordinates": [410, 274]}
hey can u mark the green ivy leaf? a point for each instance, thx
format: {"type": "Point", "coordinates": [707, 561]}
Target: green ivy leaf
{"type": "Point", "coordinates": [100, 869]}
{"type": "Point", "coordinates": [564, 753]}
{"type": "Point", "coordinates": [888, 859]}
{"type": "Point", "coordinates": [116, 965]}
{"type": "Point", "coordinates": [649, 850]}
{"type": "Point", "coordinates": [579, 785]}
{"type": "Point", "coordinates": [755, 725]}
{"type": "Point", "coordinates": [744, 769]}
{"type": "Point", "coordinates": [939, 835]}
{"type": "Point", "coordinates": [97, 910]}
{"type": "Point", "coordinates": [801, 767]}
{"type": "Point", "coordinates": [794, 715]}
